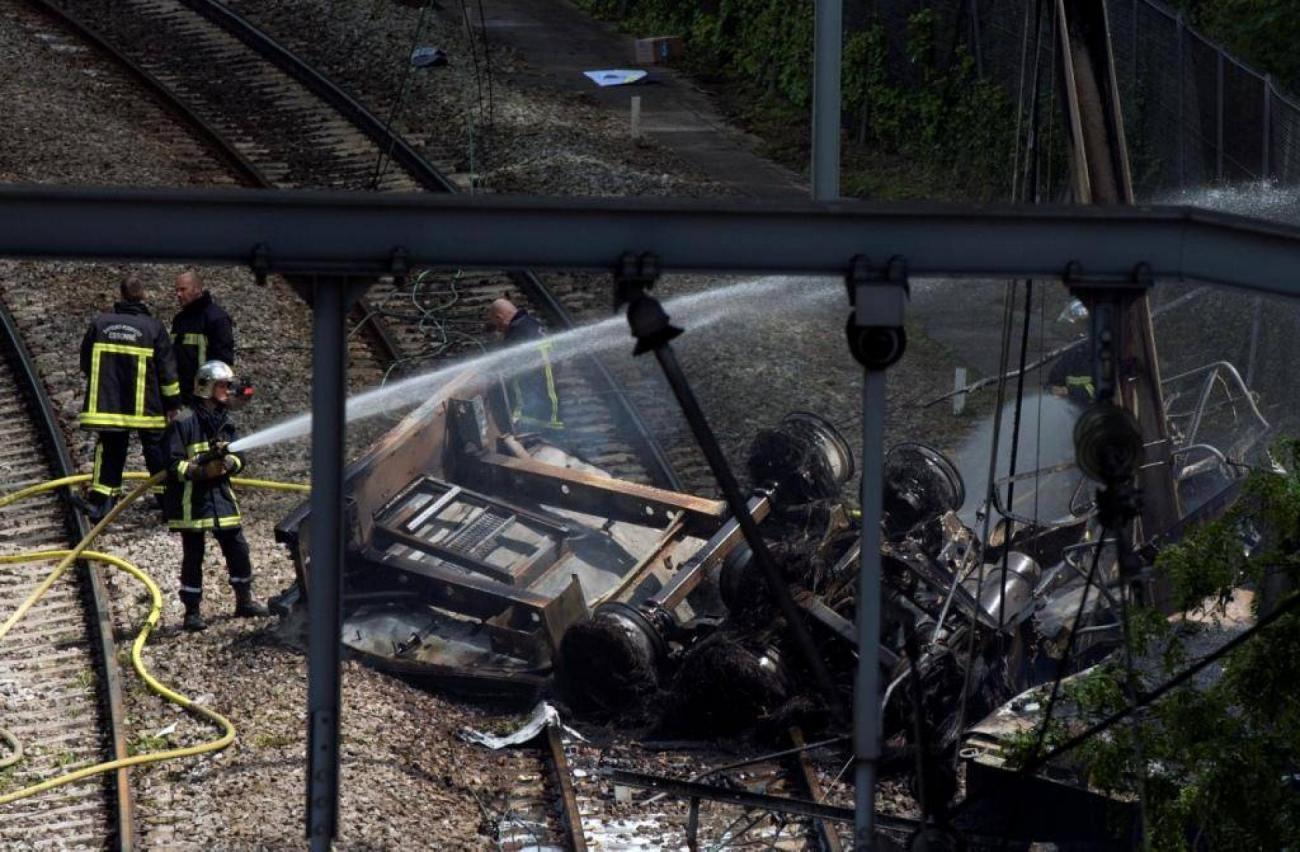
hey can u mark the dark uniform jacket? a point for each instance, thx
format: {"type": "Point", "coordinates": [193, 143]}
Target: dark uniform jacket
{"type": "Point", "coordinates": [201, 331]}
{"type": "Point", "coordinates": [199, 504]}
{"type": "Point", "coordinates": [130, 370]}
{"type": "Point", "coordinates": [534, 400]}
{"type": "Point", "coordinates": [1073, 371]}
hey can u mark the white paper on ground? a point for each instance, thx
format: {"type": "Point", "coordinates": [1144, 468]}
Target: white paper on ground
{"type": "Point", "coordinates": [542, 716]}
{"type": "Point", "coordinates": [615, 76]}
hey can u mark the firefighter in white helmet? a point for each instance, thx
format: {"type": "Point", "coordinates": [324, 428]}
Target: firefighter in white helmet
{"type": "Point", "coordinates": [199, 497]}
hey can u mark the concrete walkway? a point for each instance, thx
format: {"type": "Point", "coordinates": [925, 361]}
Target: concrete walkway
{"type": "Point", "coordinates": [560, 42]}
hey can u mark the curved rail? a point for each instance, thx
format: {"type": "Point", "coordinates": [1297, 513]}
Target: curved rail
{"type": "Point", "coordinates": [640, 440]}
{"type": "Point", "coordinates": [429, 177]}
{"type": "Point", "coordinates": [99, 615]}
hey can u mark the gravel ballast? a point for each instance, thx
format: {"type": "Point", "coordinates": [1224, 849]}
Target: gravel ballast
{"type": "Point", "coordinates": [406, 775]}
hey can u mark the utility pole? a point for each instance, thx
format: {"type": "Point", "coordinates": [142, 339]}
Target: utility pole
{"type": "Point", "coordinates": [827, 49]}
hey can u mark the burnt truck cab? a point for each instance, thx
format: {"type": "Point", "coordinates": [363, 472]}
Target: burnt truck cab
{"type": "Point", "coordinates": [471, 550]}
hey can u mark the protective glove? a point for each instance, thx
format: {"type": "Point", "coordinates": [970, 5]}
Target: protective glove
{"type": "Point", "coordinates": [230, 463]}
{"type": "Point", "coordinates": [214, 469]}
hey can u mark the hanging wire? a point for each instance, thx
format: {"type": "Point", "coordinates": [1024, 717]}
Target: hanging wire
{"type": "Point", "coordinates": [473, 51]}
{"type": "Point", "coordinates": [487, 64]}
{"type": "Point", "coordinates": [385, 155]}
{"type": "Point", "coordinates": [1131, 688]}
{"type": "Point", "coordinates": [989, 497]}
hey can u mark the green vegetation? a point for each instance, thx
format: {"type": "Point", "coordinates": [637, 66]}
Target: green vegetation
{"type": "Point", "coordinates": [262, 741]}
{"type": "Point", "coordinates": [145, 743]}
{"type": "Point", "coordinates": [1220, 759]}
{"type": "Point", "coordinates": [8, 779]}
{"type": "Point", "coordinates": [1262, 32]}
{"type": "Point", "coordinates": [947, 134]}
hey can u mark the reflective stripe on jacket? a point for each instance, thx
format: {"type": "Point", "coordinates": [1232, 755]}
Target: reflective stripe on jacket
{"type": "Point", "coordinates": [201, 332]}
{"type": "Point", "coordinates": [534, 397]}
{"type": "Point", "coordinates": [130, 369]}
{"type": "Point", "coordinates": [201, 504]}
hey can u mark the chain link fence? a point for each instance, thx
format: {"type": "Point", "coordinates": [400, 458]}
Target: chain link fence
{"type": "Point", "coordinates": [1194, 114]}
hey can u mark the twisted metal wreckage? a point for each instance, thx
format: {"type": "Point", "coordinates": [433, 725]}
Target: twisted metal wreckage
{"type": "Point", "coordinates": [919, 568]}
{"type": "Point", "coordinates": [490, 560]}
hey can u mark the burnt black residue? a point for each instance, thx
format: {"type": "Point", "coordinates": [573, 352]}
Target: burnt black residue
{"type": "Point", "coordinates": [607, 674]}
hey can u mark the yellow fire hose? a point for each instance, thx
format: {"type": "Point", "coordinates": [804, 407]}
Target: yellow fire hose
{"type": "Point", "coordinates": [67, 558]}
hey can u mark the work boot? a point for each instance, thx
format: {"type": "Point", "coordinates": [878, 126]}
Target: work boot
{"type": "Point", "coordinates": [245, 606]}
{"type": "Point", "coordinates": [93, 509]}
{"type": "Point", "coordinates": [193, 619]}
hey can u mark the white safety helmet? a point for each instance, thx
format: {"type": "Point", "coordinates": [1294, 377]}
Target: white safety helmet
{"type": "Point", "coordinates": [208, 375]}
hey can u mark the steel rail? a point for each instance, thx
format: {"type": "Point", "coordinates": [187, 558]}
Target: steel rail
{"type": "Point", "coordinates": [428, 176]}
{"type": "Point", "coordinates": [98, 611]}
{"type": "Point", "coordinates": [641, 441]}
{"type": "Point", "coordinates": [570, 814]}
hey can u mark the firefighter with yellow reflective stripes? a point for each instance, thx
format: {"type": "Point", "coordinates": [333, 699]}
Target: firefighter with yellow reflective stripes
{"type": "Point", "coordinates": [131, 385]}
{"type": "Point", "coordinates": [1071, 376]}
{"type": "Point", "coordinates": [201, 331]}
{"type": "Point", "coordinates": [534, 397]}
{"type": "Point", "coordinates": [199, 496]}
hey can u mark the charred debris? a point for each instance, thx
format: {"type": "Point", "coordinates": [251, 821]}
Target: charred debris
{"type": "Point", "coordinates": [503, 565]}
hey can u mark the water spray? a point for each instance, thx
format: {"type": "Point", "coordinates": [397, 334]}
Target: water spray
{"type": "Point", "coordinates": [705, 309]}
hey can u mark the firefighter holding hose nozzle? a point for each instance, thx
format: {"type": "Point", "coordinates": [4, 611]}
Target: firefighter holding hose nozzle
{"type": "Point", "coordinates": [199, 497]}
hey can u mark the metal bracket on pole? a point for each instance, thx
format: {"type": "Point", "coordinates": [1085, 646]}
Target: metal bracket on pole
{"type": "Point", "coordinates": [877, 340]}
{"type": "Point", "coordinates": [399, 266]}
{"type": "Point", "coordinates": [1107, 299]}
{"type": "Point", "coordinates": [635, 274]}
{"type": "Point", "coordinates": [260, 261]}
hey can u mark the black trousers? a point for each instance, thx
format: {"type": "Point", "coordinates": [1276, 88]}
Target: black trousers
{"type": "Point", "coordinates": [234, 547]}
{"type": "Point", "coordinates": [110, 459]}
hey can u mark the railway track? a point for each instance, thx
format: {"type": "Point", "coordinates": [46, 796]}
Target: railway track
{"type": "Point", "coordinates": [279, 123]}
{"type": "Point", "coordinates": [275, 123]}
{"type": "Point", "coordinates": [60, 691]}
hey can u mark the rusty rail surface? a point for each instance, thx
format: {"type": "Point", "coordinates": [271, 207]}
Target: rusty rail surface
{"type": "Point", "coordinates": [98, 614]}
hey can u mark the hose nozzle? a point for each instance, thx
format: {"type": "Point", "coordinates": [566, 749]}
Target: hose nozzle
{"type": "Point", "coordinates": [218, 451]}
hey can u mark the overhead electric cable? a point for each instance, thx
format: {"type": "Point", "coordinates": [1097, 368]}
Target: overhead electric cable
{"type": "Point", "coordinates": [386, 154]}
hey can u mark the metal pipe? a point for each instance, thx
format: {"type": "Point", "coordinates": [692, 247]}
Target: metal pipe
{"type": "Point", "coordinates": [866, 691]}
{"type": "Point", "coordinates": [1267, 135]}
{"type": "Point", "coordinates": [740, 512]}
{"type": "Point", "coordinates": [1218, 112]}
{"type": "Point", "coordinates": [329, 366]}
{"type": "Point", "coordinates": [827, 38]}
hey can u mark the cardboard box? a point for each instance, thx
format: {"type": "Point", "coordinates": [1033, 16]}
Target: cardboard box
{"type": "Point", "coordinates": [659, 50]}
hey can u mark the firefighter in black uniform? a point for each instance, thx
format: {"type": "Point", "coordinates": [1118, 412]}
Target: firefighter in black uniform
{"type": "Point", "coordinates": [199, 496]}
{"type": "Point", "coordinates": [201, 331]}
{"type": "Point", "coordinates": [131, 384]}
{"type": "Point", "coordinates": [534, 399]}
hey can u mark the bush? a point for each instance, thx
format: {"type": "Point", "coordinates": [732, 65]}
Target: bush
{"type": "Point", "coordinates": [952, 121]}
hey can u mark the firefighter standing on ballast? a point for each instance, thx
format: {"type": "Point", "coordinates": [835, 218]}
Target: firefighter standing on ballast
{"type": "Point", "coordinates": [201, 331]}
{"type": "Point", "coordinates": [534, 398]}
{"type": "Point", "coordinates": [131, 384]}
{"type": "Point", "coordinates": [199, 496]}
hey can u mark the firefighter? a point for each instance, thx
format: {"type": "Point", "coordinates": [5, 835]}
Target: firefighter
{"type": "Point", "coordinates": [199, 496]}
{"type": "Point", "coordinates": [131, 384]}
{"type": "Point", "coordinates": [1070, 376]}
{"type": "Point", "coordinates": [534, 399]}
{"type": "Point", "coordinates": [201, 331]}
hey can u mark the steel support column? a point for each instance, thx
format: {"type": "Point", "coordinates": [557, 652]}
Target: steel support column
{"type": "Point", "coordinates": [866, 692]}
{"type": "Point", "coordinates": [827, 47]}
{"type": "Point", "coordinates": [328, 399]}
{"type": "Point", "coordinates": [877, 341]}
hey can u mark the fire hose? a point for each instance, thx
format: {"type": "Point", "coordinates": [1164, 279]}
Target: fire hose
{"type": "Point", "coordinates": [81, 551]}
